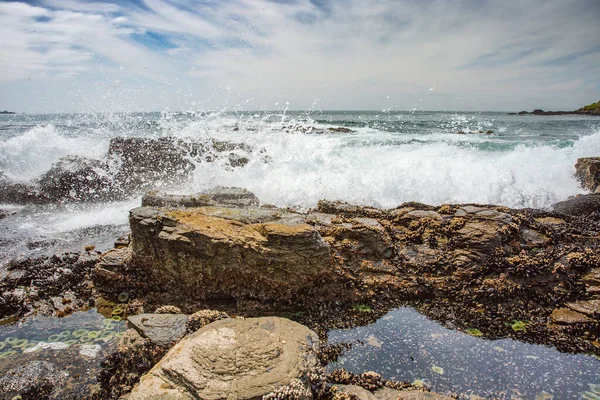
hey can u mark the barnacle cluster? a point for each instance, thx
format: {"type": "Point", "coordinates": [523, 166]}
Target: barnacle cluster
{"type": "Point", "coordinates": [369, 380]}
{"type": "Point", "coordinates": [203, 317]}
{"type": "Point", "coordinates": [168, 310]}
{"type": "Point", "coordinates": [584, 259]}
{"type": "Point", "coordinates": [295, 390]}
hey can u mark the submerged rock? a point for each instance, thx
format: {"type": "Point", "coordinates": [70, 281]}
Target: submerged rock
{"type": "Point", "coordinates": [34, 380]}
{"type": "Point", "coordinates": [587, 170]}
{"type": "Point", "coordinates": [241, 359]}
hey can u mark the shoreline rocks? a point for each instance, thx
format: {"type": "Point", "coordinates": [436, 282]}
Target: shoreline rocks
{"type": "Point", "coordinates": [234, 358]}
{"type": "Point", "coordinates": [587, 171]}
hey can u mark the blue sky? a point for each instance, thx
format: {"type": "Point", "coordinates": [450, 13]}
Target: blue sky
{"type": "Point", "coordinates": [143, 55]}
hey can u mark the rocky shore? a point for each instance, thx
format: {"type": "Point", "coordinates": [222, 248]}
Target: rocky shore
{"type": "Point", "coordinates": [226, 297]}
{"type": "Point", "coordinates": [590, 109]}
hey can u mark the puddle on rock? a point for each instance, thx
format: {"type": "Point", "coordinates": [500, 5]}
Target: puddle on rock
{"type": "Point", "coordinates": [73, 346]}
{"type": "Point", "coordinates": [406, 346]}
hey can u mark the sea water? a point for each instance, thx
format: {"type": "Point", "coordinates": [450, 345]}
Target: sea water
{"type": "Point", "coordinates": [389, 158]}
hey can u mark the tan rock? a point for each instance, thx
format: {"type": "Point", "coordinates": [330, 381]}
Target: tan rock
{"type": "Point", "coordinates": [590, 308]}
{"type": "Point", "coordinates": [565, 316]}
{"type": "Point", "coordinates": [587, 170]}
{"type": "Point", "coordinates": [233, 359]}
{"type": "Point", "coordinates": [211, 252]}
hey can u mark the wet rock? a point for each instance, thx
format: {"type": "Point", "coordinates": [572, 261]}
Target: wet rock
{"type": "Point", "coordinates": [219, 196]}
{"type": "Point", "coordinates": [34, 380]}
{"type": "Point", "coordinates": [75, 178]}
{"type": "Point", "coordinates": [161, 329]}
{"type": "Point", "coordinates": [587, 171]}
{"type": "Point", "coordinates": [56, 284]}
{"type": "Point", "coordinates": [213, 252]}
{"type": "Point", "coordinates": [140, 163]}
{"type": "Point", "coordinates": [242, 359]}
{"type": "Point", "coordinates": [354, 390]}
{"type": "Point", "coordinates": [565, 316]}
{"type": "Point", "coordinates": [111, 272]}
{"type": "Point", "coordinates": [135, 356]}
{"type": "Point", "coordinates": [12, 192]}
{"type": "Point", "coordinates": [591, 308]}
{"type": "Point", "coordinates": [579, 205]}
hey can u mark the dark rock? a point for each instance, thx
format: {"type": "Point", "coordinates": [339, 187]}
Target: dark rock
{"type": "Point", "coordinates": [579, 205]}
{"type": "Point", "coordinates": [538, 111]}
{"type": "Point", "coordinates": [340, 129]}
{"type": "Point", "coordinates": [34, 380]}
{"type": "Point", "coordinates": [587, 170]}
{"type": "Point", "coordinates": [219, 196]}
{"type": "Point", "coordinates": [18, 192]}
{"type": "Point", "coordinates": [161, 329]}
{"type": "Point", "coordinates": [74, 179]}
{"type": "Point", "coordinates": [139, 163]}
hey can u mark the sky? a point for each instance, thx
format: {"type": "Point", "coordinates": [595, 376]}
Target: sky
{"type": "Point", "coordinates": [178, 55]}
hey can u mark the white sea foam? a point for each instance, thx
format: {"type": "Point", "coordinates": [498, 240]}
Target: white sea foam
{"type": "Point", "coordinates": [29, 155]}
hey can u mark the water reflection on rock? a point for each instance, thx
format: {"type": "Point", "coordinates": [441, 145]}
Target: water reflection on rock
{"type": "Point", "coordinates": [56, 357]}
{"type": "Point", "coordinates": [404, 345]}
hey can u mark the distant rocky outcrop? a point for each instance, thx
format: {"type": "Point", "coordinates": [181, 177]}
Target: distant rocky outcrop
{"type": "Point", "coordinates": [590, 109]}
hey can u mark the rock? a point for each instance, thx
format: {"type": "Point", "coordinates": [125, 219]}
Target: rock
{"type": "Point", "coordinates": [386, 393]}
{"type": "Point", "coordinates": [111, 272]}
{"type": "Point", "coordinates": [12, 192]}
{"type": "Point", "coordinates": [216, 252]}
{"type": "Point", "coordinates": [587, 171]}
{"type": "Point", "coordinates": [237, 359]}
{"type": "Point", "coordinates": [592, 277]}
{"type": "Point", "coordinates": [340, 129]}
{"type": "Point", "coordinates": [135, 356]}
{"type": "Point", "coordinates": [34, 380]}
{"type": "Point", "coordinates": [354, 390]}
{"type": "Point", "coordinates": [565, 316]}
{"type": "Point", "coordinates": [222, 196]}
{"type": "Point", "coordinates": [161, 329]}
{"type": "Point", "coordinates": [140, 163]}
{"type": "Point", "coordinates": [202, 318]}
{"type": "Point", "coordinates": [591, 308]}
{"type": "Point", "coordinates": [579, 205]}
{"type": "Point", "coordinates": [74, 179]}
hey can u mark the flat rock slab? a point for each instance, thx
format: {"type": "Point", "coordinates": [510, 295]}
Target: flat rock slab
{"type": "Point", "coordinates": [590, 308]}
{"type": "Point", "coordinates": [161, 329]}
{"type": "Point", "coordinates": [565, 316]}
{"type": "Point", "coordinates": [232, 359]}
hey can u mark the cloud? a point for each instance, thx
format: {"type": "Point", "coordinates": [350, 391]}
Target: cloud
{"type": "Point", "coordinates": [507, 55]}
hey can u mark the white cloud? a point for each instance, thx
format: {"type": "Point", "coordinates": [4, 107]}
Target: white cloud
{"type": "Point", "coordinates": [349, 54]}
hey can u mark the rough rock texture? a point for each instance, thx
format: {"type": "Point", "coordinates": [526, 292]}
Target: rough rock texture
{"type": "Point", "coordinates": [135, 355]}
{"type": "Point", "coordinates": [161, 329]}
{"type": "Point", "coordinates": [75, 178]}
{"type": "Point", "coordinates": [212, 252]}
{"type": "Point", "coordinates": [219, 196]}
{"type": "Point", "coordinates": [17, 192]}
{"type": "Point", "coordinates": [587, 170]}
{"type": "Point", "coordinates": [584, 204]}
{"type": "Point", "coordinates": [240, 359]}
{"type": "Point", "coordinates": [55, 285]}
{"type": "Point", "coordinates": [140, 163]}
{"type": "Point", "coordinates": [32, 381]}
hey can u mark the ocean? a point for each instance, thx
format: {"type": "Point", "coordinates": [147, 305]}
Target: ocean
{"type": "Point", "coordinates": [389, 158]}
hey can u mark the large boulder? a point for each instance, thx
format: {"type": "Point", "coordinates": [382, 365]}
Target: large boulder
{"type": "Point", "coordinates": [225, 252]}
{"type": "Point", "coordinates": [587, 170]}
{"type": "Point", "coordinates": [235, 359]}
{"type": "Point", "coordinates": [74, 179]}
